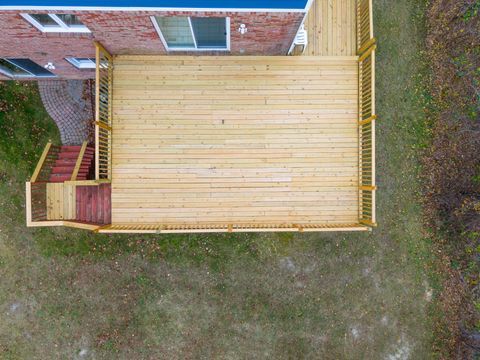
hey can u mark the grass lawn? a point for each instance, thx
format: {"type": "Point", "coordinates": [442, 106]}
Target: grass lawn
{"type": "Point", "coordinates": [67, 294]}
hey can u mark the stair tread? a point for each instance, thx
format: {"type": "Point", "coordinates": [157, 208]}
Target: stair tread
{"type": "Point", "coordinates": [68, 155]}
{"type": "Point", "coordinates": [60, 178]}
{"type": "Point", "coordinates": [68, 161]}
{"type": "Point", "coordinates": [93, 204]}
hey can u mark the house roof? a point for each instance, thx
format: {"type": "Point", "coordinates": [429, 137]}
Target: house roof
{"type": "Point", "coordinates": [243, 5]}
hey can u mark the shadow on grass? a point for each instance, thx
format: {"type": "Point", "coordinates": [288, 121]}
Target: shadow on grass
{"type": "Point", "coordinates": [216, 251]}
{"type": "Point", "coordinates": [213, 249]}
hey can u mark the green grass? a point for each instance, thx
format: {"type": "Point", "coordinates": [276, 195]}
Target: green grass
{"type": "Point", "coordinates": [77, 295]}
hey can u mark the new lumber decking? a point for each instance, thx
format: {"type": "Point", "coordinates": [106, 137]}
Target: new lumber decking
{"type": "Point", "coordinates": [60, 201]}
{"type": "Point", "coordinates": [235, 140]}
{"type": "Point", "coordinates": [230, 144]}
{"type": "Point", "coordinates": [331, 27]}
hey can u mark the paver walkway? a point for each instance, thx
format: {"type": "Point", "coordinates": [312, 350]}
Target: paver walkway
{"type": "Point", "coordinates": [69, 104]}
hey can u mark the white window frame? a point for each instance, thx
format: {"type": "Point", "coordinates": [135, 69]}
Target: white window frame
{"type": "Point", "coordinates": [29, 75]}
{"type": "Point", "coordinates": [165, 44]}
{"type": "Point", "coordinates": [82, 64]}
{"type": "Point", "coordinates": [62, 27]}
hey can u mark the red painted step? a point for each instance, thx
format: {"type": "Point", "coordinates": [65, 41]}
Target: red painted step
{"type": "Point", "coordinates": [59, 177]}
{"type": "Point", "coordinates": [62, 169]}
{"type": "Point", "coordinates": [68, 155]}
{"type": "Point", "coordinates": [71, 148]}
{"type": "Point", "coordinates": [66, 161]}
{"type": "Point", "coordinates": [94, 204]}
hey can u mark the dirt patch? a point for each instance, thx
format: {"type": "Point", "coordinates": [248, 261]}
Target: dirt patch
{"type": "Point", "coordinates": [403, 350]}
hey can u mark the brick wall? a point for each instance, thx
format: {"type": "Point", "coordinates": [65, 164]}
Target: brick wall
{"type": "Point", "coordinates": [134, 33]}
{"type": "Point", "coordinates": [22, 40]}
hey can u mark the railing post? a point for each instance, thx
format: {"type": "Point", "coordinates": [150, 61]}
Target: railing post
{"type": "Point", "coordinates": [28, 202]}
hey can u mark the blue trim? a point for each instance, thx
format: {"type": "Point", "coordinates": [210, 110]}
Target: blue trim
{"type": "Point", "coordinates": [200, 4]}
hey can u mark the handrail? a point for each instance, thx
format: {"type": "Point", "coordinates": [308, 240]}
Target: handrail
{"type": "Point", "coordinates": [36, 188]}
{"type": "Point", "coordinates": [103, 113]}
{"type": "Point", "coordinates": [40, 162]}
{"type": "Point", "coordinates": [366, 45]}
{"type": "Point", "coordinates": [81, 154]}
{"type": "Point", "coordinates": [45, 164]}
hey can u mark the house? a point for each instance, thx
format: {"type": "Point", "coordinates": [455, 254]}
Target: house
{"type": "Point", "coordinates": [61, 33]}
{"type": "Point", "coordinates": [211, 116]}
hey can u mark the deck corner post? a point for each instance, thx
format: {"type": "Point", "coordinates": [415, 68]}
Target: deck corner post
{"type": "Point", "coordinates": [28, 202]}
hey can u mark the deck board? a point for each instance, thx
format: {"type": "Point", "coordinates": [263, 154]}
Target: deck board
{"type": "Point", "coordinates": [60, 201]}
{"type": "Point", "coordinates": [331, 27]}
{"type": "Point", "coordinates": [222, 140]}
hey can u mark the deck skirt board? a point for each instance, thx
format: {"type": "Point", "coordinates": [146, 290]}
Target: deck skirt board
{"type": "Point", "coordinates": [235, 140]}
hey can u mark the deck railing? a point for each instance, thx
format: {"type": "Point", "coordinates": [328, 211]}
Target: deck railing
{"type": "Point", "coordinates": [230, 228]}
{"type": "Point", "coordinates": [36, 188]}
{"type": "Point", "coordinates": [103, 113]}
{"type": "Point", "coordinates": [366, 62]}
{"type": "Point", "coordinates": [364, 25]}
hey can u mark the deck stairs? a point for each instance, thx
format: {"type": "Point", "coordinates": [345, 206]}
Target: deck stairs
{"type": "Point", "coordinates": [66, 199]}
{"type": "Point", "coordinates": [66, 161]}
{"type": "Point", "coordinates": [93, 204]}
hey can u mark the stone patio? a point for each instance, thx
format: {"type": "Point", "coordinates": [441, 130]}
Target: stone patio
{"type": "Point", "coordinates": [69, 103]}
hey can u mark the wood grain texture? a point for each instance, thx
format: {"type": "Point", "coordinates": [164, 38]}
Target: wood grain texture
{"type": "Point", "coordinates": [332, 28]}
{"type": "Point", "coordinates": [242, 140]}
{"type": "Point", "coordinates": [61, 201]}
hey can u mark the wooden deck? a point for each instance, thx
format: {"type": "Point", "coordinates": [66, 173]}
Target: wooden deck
{"type": "Point", "coordinates": [332, 28]}
{"type": "Point", "coordinates": [187, 144]}
{"type": "Point", "coordinates": [235, 140]}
